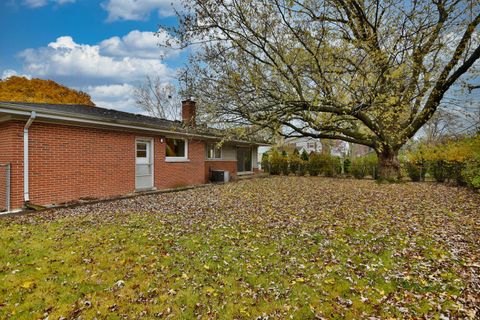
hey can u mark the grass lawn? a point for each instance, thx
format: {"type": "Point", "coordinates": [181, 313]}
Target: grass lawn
{"type": "Point", "coordinates": [276, 248]}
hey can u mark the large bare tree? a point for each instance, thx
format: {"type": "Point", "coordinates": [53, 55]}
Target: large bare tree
{"type": "Point", "coordinates": [370, 72]}
{"type": "Point", "coordinates": [158, 98]}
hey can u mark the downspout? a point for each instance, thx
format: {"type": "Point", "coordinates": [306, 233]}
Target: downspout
{"type": "Point", "coordinates": [26, 195]}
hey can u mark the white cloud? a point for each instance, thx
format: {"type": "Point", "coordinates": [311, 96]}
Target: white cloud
{"type": "Point", "coordinates": [65, 58]}
{"type": "Point", "coordinates": [139, 44]}
{"type": "Point", "coordinates": [108, 71]}
{"type": "Point", "coordinates": [10, 73]}
{"type": "Point", "coordinates": [138, 9]}
{"type": "Point", "coordinates": [41, 3]}
{"type": "Point", "coordinates": [116, 96]}
{"type": "Point", "coordinates": [35, 3]}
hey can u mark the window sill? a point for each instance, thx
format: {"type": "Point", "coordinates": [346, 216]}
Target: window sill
{"type": "Point", "coordinates": [177, 160]}
{"type": "Point", "coordinates": [142, 190]}
{"type": "Point", "coordinates": [244, 173]}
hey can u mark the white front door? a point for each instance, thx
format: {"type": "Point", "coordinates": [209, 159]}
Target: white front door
{"type": "Point", "coordinates": [144, 165]}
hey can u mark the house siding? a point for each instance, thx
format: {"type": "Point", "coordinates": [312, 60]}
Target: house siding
{"type": "Point", "coordinates": [255, 159]}
{"type": "Point", "coordinates": [229, 153]}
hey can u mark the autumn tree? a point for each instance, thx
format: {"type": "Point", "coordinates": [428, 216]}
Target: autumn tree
{"type": "Point", "coordinates": [158, 99]}
{"type": "Point", "coordinates": [371, 72]}
{"type": "Point", "coordinates": [21, 89]}
{"type": "Point", "coordinates": [442, 125]}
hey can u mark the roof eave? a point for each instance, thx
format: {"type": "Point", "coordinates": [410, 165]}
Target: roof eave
{"type": "Point", "coordinates": [14, 109]}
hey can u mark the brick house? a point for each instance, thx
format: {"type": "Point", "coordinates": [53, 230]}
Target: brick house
{"type": "Point", "coordinates": [63, 153]}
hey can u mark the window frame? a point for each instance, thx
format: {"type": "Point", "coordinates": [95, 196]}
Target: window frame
{"type": "Point", "coordinates": [213, 146]}
{"type": "Point", "coordinates": [176, 159]}
{"type": "Point", "coordinates": [144, 142]}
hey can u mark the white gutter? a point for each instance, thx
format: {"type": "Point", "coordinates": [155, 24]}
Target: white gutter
{"type": "Point", "coordinates": [26, 195]}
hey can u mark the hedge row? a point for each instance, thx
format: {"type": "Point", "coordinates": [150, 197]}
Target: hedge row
{"type": "Point", "coordinates": [456, 161]}
{"type": "Point", "coordinates": [317, 164]}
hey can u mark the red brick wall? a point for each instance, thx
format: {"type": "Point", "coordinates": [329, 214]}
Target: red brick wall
{"type": "Point", "coordinates": [69, 163]}
{"type": "Point", "coordinates": [4, 143]}
{"type": "Point", "coordinates": [177, 174]}
{"type": "Point", "coordinates": [11, 150]}
{"type": "Point", "coordinates": [230, 166]}
{"type": "Point", "coordinates": [3, 189]}
{"type": "Point", "coordinates": [189, 112]}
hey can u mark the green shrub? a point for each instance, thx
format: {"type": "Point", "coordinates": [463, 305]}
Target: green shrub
{"type": "Point", "coordinates": [443, 171]}
{"type": "Point", "coordinates": [365, 166]}
{"type": "Point", "coordinates": [471, 173]}
{"type": "Point", "coordinates": [265, 163]}
{"type": "Point", "coordinates": [415, 171]}
{"type": "Point", "coordinates": [438, 170]}
{"type": "Point", "coordinates": [284, 164]}
{"type": "Point", "coordinates": [302, 167]}
{"type": "Point", "coordinates": [315, 164]}
{"type": "Point", "coordinates": [358, 169]}
{"type": "Point", "coordinates": [332, 166]}
{"type": "Point", "coordinates": [295, 163]}
{"type": "Point", "coordinates": [276, 161]}
{"type": "Point", "coordinates": [304, 156]}
{"type": "Point", "coordinates": [453, 160]}
{"type": "Point", "coordinates": [371, 165]}
{"type": "Point", "coordinates": [347, 166]}
{"type": "Point", "coordinates": [455, 173]}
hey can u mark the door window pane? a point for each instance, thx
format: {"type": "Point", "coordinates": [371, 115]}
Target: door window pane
{"type": "Point", "coordinates": [248, 159]}
{"type": "Point", "coordinates": [244, 159]}
{"type": "Point", "coordinates": [141, 150]}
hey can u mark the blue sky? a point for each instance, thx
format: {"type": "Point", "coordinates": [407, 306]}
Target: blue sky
{"type": "Point", "coordinates": [104, 48]}
{"type": "Point", "coordinates": [101, 47]}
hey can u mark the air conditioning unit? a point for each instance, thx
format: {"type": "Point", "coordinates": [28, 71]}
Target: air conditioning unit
{"type": "Point", "coordinates": [220, 176]}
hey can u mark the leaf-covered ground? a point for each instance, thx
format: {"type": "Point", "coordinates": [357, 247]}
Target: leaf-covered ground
{"type": "Point", "coordinates": [276, 248]}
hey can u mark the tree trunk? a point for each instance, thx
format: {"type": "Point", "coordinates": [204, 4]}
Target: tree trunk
{"type": "Point", "coordinates": [388, 165]}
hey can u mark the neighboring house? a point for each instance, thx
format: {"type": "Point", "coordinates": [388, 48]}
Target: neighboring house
{"type": "Point", "coordinates": [303, 143]}
{"type": "Point", "coordinates": [358, 150]}
{"type": "Point", "coordinates": [335, 148]}
{"type": "Point", "coordinates": [82, 152]}
{"type": "Point", "coordinates": [339, 148]}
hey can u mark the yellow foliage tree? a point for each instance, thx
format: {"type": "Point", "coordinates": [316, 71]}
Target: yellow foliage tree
{"type": "Point", "coordinates": [454, 151]}
{"type": "Point", "coordinates": [20, 89]}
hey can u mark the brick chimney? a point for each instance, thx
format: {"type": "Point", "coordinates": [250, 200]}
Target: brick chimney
{"type": "Point", "coordinates": [188, 112]}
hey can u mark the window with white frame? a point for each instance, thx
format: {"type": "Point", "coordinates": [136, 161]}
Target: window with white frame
{"type": "Point", "coordinates": [213, 151]}
{"type": "Point", "coordinates": [176, 149]}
